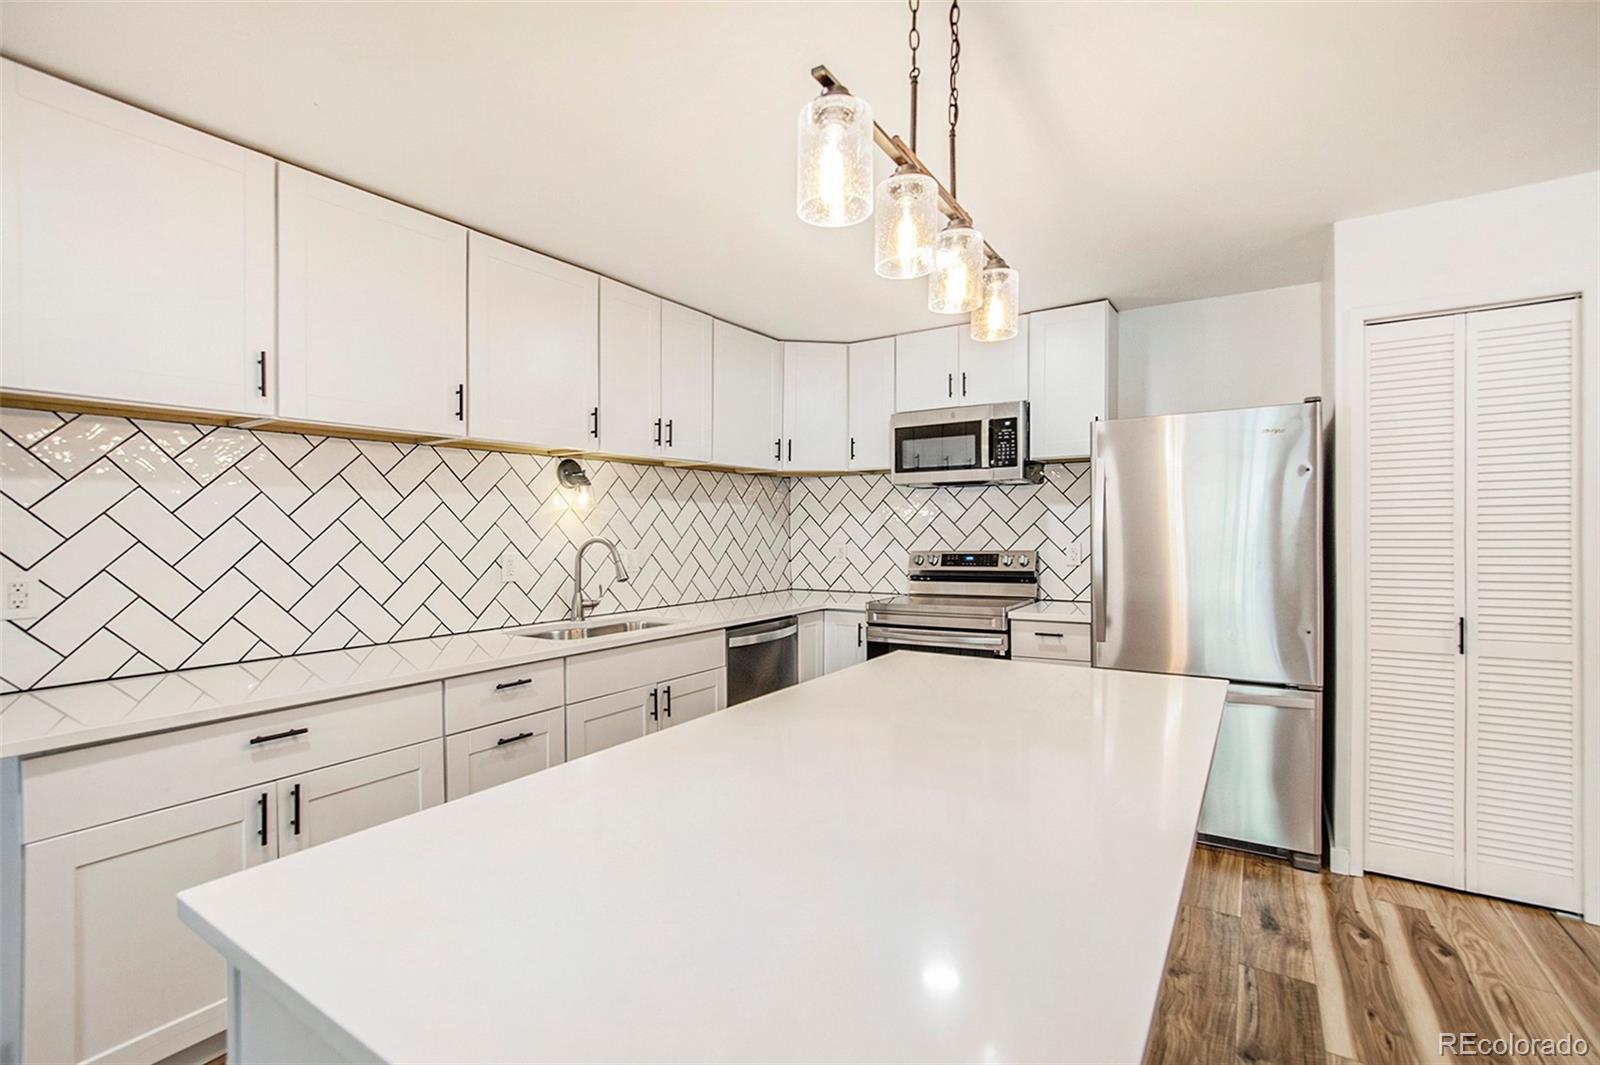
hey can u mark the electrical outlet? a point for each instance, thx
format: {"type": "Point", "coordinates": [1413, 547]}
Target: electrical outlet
{"type": "Point", "coordinates": [630, 559]}
{"type": "Point", "coordinates": [22, 597]}
{"type": "Point", "coordinates": [1075, 553]}
{"type": "Point", "coordinates": [512, 567]}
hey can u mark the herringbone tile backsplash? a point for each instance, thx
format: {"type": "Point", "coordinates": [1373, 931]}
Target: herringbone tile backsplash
{"type": "Point", "coordinates": [162, 545]}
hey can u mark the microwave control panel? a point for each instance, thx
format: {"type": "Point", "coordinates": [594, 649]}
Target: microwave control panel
{"type": "Point", "coordinates": [1002, 443]}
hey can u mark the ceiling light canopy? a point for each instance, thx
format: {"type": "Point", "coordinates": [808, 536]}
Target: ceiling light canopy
{"type": "Point", "coordinates": [835, 173]}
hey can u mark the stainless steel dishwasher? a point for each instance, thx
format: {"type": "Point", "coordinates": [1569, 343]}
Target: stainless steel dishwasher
{"type": "Point", "coordinates": [762, 657]}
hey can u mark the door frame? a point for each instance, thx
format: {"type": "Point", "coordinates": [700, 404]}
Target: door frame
{"type": "Point", "coordinates": [1348, 801]}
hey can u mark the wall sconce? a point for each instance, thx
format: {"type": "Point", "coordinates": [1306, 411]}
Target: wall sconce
{"type": "Point", "coordinates": [571, 475]}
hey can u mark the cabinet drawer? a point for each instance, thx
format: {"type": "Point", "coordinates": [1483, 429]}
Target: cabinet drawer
{"type": "Point", "coordinates": [604, 672]}
{"type": "Point", "coordinates": [484, 698]}
{"type": "Point", "coordinates": [1063, 641]}
{"type": "Point", "coordinates": [94, 785]}
{"type": "Point", "coordinates": [493, 755]}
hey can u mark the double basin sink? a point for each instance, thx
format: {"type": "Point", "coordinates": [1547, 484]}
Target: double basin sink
{"type": "Point", "coordinates": [583, 630]}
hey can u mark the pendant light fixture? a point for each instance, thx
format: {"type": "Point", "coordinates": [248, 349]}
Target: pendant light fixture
{"type": "Point", "coordinates": [908, 200]}
{"type": "Point", "coordinates": [965, 275]}
{"type": "Point", "coordinates": [835, 169]}
{"type": "Point", "coordinates": [996, 315]}
{"type": "Point", "coordinates": [953, 287]}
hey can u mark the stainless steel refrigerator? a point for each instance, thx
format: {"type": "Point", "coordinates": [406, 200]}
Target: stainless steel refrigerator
{"type": "Point", "coordinates": [1207, 561]}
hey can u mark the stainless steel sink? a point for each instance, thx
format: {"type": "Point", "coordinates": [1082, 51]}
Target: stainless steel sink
{"type": "Point", "coordinates": [586, 630]}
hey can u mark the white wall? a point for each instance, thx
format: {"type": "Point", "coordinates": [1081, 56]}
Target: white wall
{"type": "Point", "coordinates": [1248, 350]}
{"type": "Point", "coordinates": [1519, 244]}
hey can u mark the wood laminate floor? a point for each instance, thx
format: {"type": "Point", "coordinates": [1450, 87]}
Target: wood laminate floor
{"type": "Point", "coordinates": [1271, 964]}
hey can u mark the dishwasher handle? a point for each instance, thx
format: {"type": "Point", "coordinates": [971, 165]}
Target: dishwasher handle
{"type": "Point", "coordinates": [764, 637]}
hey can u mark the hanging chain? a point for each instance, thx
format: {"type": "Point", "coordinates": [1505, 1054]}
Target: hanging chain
{"type": "Point", "coordinates": [914, 39]}
{"type": "Point", "coordinates": [955, 96]}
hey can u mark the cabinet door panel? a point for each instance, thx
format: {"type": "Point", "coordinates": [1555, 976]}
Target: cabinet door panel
{"type": "Point", "coordinates": [816, 419]}
{"type": "Point", "coordinates": [871, 404]}
{"type": "Point", "coordinates": [994, 372]}
{"type": "Point", "coordinates": [811, 654]}
{"type": "Point", "coordinates": [109, 966]}
{"type": "Point", "coordinates": [339, 800]}
{"type": "Point", "coordinates": [532, 347]}
{"type": "Point", "coordinates": [495, 754]}
{"type": "Point", "coordinates": [694, 696]}
{"type": "Point", "coordinates": [685, 383]}
{"type": "Point", "coordinates": [1071, 374]}
{"type": "Point", "coordinates": [630, 370]}
{"type": "Point", "coordinates": [595, 724]}
{"type": "Point", "coordinates": [747, 398]}
{"type": "Point", "coordinates": [845, 640]}
{"type": "Point", "coordinates": [925, 368]}
{"type": "Point", "coordinates": [138, 254]}
{"type": "Point", "coordinates": [372, 309]}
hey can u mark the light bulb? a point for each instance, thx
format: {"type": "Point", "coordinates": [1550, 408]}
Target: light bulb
{"type": "Point", "coordinates": [583, 498]}
{"type": "Point", "coordinates": [908, 219]}
{"type": "Point", "coordinates": [957, 260]}
{"type": "Point", "coordinates": [996, 316]}
{"type": "Point", "coordinates": [834, 172]}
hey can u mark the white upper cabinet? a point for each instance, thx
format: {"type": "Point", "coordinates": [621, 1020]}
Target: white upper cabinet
{"type": "Point", "coordinates": [1072, 357]}
{"type": "Point", "coordinates": [685, 384]}
{"type": "Point", "coordinates": [532, 347]}
{"type": "Point", "coordinates": [925, 368]}
{"type": "Point", "coordinates": [137, 254]}
{"type": "Point", "coordinates": [372, 316]}
{"type": "Point", "coordinates": [871, 403]}
{"type": "Point", "coordinates": [993, 372]}
{"type": "Point", "coordinates": [816, 422]}
{"type": "Point", "coordinates": [630, 371]}
{"type": "Point", "coordinates": [747, 396]}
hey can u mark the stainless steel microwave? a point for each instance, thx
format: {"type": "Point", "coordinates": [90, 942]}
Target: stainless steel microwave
{"type": "Point", "coordinates": [986, 443]}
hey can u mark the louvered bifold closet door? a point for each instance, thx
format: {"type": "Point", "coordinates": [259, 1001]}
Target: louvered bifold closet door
{"type": "Point", "coordinates": [1522, 600]}
{"type": "Point", "coordinates": [1416, 587]}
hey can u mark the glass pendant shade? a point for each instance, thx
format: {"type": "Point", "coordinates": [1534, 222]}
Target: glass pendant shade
{"type": "Point", "coordinates": [906, 226]}
{"type": "Point", "coordinates": [834, 185]}
{"type": "Point", "coordinates": [954, 284]}
{"type": "Point", "coordinates": [996, 316]}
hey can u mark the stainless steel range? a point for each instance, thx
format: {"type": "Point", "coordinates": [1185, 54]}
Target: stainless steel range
{"type": "Point", "coordinates": [958, 603]}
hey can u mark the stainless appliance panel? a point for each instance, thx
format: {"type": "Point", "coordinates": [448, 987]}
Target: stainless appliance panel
{"type": "Point", "coordinates": [1207, 547]}
{"type": "Point", "coordinates": [762, 657]}
{"type": "Point", "coordinates": [984, 443]}
{"type": "Point", "coordinates": [1266, 775]}
{"type": "Point", "coordinates": [884, 638]}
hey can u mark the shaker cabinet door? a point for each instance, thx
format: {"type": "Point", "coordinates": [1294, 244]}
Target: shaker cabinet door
{"type": "Point", "coordinates": [816, 413]}
{"type": "Point", "coordinates": [686, 698]}
{"type": "Point", "coordinates": [747, 398]}
{"type": "Point", "coordinates": [595, 724]}
{"type": "Point", "coordinates": [328, 803]}
{"type": "Point", "coordinates": [372, 310]}
{"type": "Point", "coordinates": [1071, 377]}
{"type": "Point", "coordinates": [137, 254]}
{"type": "Point", "coordinates": [110, 970]}
{"type": "Point", "coordinates": [685, 384]}
{"type": "Point", "coordinates": [925, 369]}
{"type": "Point", "coordinates": [533, 347]}
{"type": "Point", "coordinates": [630, 371]}
{"type": "Point", "coordinates": [994, 371]}
{"type": "Point", "coordinates": [871, 403]}
{"type": "Point", "coordinates": [498, 753]}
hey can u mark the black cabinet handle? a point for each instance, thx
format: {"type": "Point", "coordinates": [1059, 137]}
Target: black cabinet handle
{"type": "Point", "coordinates": [669, 432]}
{"type": "Point", "coordinates": [655, 704]}
{"type": "Point", "coordinates": [950, 384]}
{"type": "Point", "coordinates": [261, 808]}
{"type": "Point", "coordinates": [658, 432]}
{"type": "Point", "coordinates": [1461, 636]}
{"type": "Point", "coordinates": [666, 707]}
{"type": "Point", "coordinates": [513, 684]}
{"type": "Point", "coordinates": [594, 419]}
{"type": "Point", "coordinates": [461, 403]}
{"type": "Point", "coordinates": [860, 633]}
{"type": "Point", "coordinates": [294, 809]}
{"type": "Point", "coordinates": [261, 366]}
{"type": "Point", "coordinates": [284, 735]}
{"type": "Point", "coordinates": [963, 382]}
{"type": "Point", "coordinates": [852, 449]}
{"type": "Point", "coordinates": [777, 448]}
{"type": "Point", "coordinates": [791, 450]}
{"type": "Point", "coordinates": [512, 739]}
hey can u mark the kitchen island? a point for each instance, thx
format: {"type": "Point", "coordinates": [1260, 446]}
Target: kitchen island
{"type": "Point", "coordinates": [923, 857]}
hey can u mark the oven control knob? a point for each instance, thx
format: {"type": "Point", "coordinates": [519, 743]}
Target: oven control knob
{"type": "Point", "coordinates": [1005, 560]}
{"type": "Point", "coordinates": [916, 560]}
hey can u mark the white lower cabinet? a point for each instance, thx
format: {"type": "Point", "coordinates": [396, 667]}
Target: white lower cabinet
{"type": "Point", "coordinates": [595, 724]}
{"type": "Point", "coordinates": [813, 629]}
{"type": "Point", "coordinates": [694, 696]}
{"type": "Point", "coordinates": [328, 803]}
{"type": "Point", "coordinates": [503, 752]}
{"type": "Point", "coordinates": [110, 972]}
{"type": "Point", "coordinates": [844, 639]}
{"type": "Point", "coordinates": [1050, 641]}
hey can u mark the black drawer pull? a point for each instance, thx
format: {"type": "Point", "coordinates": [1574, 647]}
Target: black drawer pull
{"type": "Point", "coordinates": [261, 830]}
{"type": "Point", "coordinates": [512, 739]}
{"type": "Point", "coordinates": [666, 707]}
{"type": "Point", "coordinates": [294, 810]}
{"type": "Point", "coordinates": [287, 733]}
{"type": "Point", "coordinates": [513, 684]}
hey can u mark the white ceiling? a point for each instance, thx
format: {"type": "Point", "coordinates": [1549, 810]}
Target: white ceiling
{"type": "Point", "coordinates": [1145, 153]}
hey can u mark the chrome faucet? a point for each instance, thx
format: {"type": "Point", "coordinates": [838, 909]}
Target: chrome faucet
{"type": "Point", "coordinates": [580, 605]}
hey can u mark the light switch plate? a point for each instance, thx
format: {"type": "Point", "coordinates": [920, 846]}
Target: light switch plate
{"type": "Point", "coordinates": [1075, 553]}
{"type": "Point", "coordinates": [22, 598]}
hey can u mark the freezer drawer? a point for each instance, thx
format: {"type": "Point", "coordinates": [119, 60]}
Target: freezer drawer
{"type": "Point", "coordinates": [1266, 776]}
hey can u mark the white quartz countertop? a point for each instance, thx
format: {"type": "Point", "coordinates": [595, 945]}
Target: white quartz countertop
{"type": "Point", "coordinates": [53, 719]}
{"type": "Point", "coordinates": [919, 858]}
{"type": "Point", "coordinates": [1047, 610]}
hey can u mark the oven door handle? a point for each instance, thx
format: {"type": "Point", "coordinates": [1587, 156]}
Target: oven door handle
{"type": "Point", "coordinates": [923, 638]}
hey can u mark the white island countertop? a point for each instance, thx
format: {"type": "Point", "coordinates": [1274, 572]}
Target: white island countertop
{"type": "Point", "coordinates": [920, 858]}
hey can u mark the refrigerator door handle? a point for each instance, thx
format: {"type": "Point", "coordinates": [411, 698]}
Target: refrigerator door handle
{"type": "Point", "coordinates": [1099, 513]}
